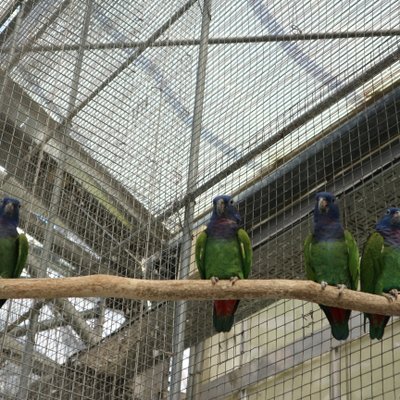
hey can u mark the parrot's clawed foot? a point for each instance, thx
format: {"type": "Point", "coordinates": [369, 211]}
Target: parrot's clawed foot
{"type": "Point", "coordinates": [214, 280]}
{"type": "Point", "coordinates": [233, 279]}
{"type": "Point", "coordinates": [341, 288]}
{"type": "Point", "coordinates": [389, 296]}
{"type": "Point", "coordinates": [323, 285]}
{"type": "Point", "coordinates": [392, 295]}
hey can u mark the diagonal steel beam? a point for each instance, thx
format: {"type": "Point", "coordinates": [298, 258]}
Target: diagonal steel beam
{"type": "Point", "coordinates": [160, 31]}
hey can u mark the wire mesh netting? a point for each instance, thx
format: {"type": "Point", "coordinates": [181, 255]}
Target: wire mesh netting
{"type": "Point", "coordinates": [120, 121]}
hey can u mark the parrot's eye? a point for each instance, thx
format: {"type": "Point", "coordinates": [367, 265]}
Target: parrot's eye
{"type": "Point", "coordinates": [388, 211]}
{"type": "Point", "coordinates": [231, 202]}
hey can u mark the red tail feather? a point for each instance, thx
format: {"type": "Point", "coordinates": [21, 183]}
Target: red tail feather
{"type": "Point", "coordinates": [377, 319]}
{"type": "Point", "coordinates": [225, 307]}
{"type": "Point", "coordinates": [338, 319]}
{"type": "Point", "coordinates": [377, 324]}
{"type": "Point", "coordinates": [339, 315]}
{"type": "Point", "coordinates": [223, 315]}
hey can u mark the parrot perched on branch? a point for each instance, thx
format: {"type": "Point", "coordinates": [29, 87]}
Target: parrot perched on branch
{"type": "Point", "coordinates": [380, 266]}
{"type": "Point", "coordinates": [13, 246]}
{"type": "Point", "coordinates": [223, 251]}
{"type": "Point", "coordinates": [331, 258]}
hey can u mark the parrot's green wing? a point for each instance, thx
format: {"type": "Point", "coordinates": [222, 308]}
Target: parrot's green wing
{"type": "Point", "coordinates": [23, 246]}
{"type": "Point", "coordinates": [200, 252]}
{"type": "Point", "coordinates": [354, 259]}
{"type": "Point", "coordinates": [246, 251]}
{"type": "Point", "coordinates": [370, 262]}
{"type": "Point", "coordinates": [310, 273]}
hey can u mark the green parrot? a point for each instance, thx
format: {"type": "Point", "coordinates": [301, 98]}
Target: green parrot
{"type": "Point", "coordinates": [13, 246]}
{"type": "Point", "coordinates": [380, 266]}
{"type": "Point", "coordinates": [223, 251]}
{"type": "Point", "coordinates": [331, 258]}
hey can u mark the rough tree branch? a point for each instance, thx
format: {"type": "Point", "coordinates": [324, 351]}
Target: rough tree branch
{"type": "Point", "coordinates": [141, 289]}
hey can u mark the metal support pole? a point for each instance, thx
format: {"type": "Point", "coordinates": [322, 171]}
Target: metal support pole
{"type": "Point", "coordinates": [178, 339]}
{"type": "Point", "coordinates": [195, 370]}
{"type": "Point", "coordinates": [335, 374]}
{"type": "Point", "coordinates": [8, 66]}
{"type": "Point", "coordinates": [26, 369]}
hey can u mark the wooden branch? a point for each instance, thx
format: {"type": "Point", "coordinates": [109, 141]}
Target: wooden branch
{"type": "Point", "coordinates": [141, 289]}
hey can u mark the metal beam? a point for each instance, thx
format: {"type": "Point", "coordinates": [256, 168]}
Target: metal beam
{"type": "Point", "coordinates": [160, 31]}
{"type": "Point", "coordinates": [215, 41]}
{"type": "Point", "coordinates": [179, 325]}
{"type": "Point", "coordinates": [19, 52]}
{"type": "Point", "coordinates": [80, 326]}
{"type": "Point", "coordinates": [51, 323]}
{"type": "Point", "coordinates": [14, 351]}
{"type": "Point", "coordinates": [72, 317]}
{"type": "Point", "coordinates": [14, 325]}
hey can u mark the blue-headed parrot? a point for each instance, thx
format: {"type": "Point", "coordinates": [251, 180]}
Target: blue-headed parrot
{"type": "Point", "coordinates": [13, 246]}
{"type": "Point", "coordinates": [331, 258]}
{"type": "Point", "coordinates": [223, 251]}
{"type": "Point", "coordinates": [380, 266]}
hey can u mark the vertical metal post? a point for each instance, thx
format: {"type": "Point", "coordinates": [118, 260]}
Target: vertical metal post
{"type": "Point", "coordinates": [195, 370]}
{"type": "Point", "coordinates": [243, 337]}
{"type": "Point", "coordinates": [335, 374]}
{"type": "Point", "coordinates": [3, 83]}
{"type": "Point", "coordinates": [178, 345]}
{"type": "Point", "coordinates": [8, 66]}
{"type": "Point", "coordinates": [23, 390]}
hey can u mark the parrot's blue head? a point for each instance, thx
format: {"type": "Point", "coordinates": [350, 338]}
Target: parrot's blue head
{"type": "Point", "coordinates": [9, 210]}
{"type": "Point", "coordinates": [225, 207]}
{"type": "Point", "coordinates": [325, 205]}
{"type": "Point", "coordinates": [389, 226]}
{"type": "Point", "coordinates": [225, 218]}
{"type": "Point", "coordinates": [391, 218]}
{"type": "Point", "coordinates": [327, 224]}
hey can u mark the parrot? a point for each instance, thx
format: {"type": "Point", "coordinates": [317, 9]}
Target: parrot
{"type": "Point", "coordinates": [380, 266]}
{"type": "Point", "coordinates": [223, 251]}
{"type": "Point", "coordinates": [13, 246]}
{"type": "Point", "coordinates": [331, 258]}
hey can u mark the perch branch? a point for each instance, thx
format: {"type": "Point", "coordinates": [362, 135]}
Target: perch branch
{"type": "Point", "coordinates": [141, 289]}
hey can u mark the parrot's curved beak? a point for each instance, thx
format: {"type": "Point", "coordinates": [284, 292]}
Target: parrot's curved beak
{"type": "Point", "coordinates": [220, 207]}
{"type": "Point", "coordinates": [9, 208]}
{"type": "Point", "coordinates": [322, 204]}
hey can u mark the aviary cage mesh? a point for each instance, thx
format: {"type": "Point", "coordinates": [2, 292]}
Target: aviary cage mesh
{"type": "Point", "coordinates": [98, 140]}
